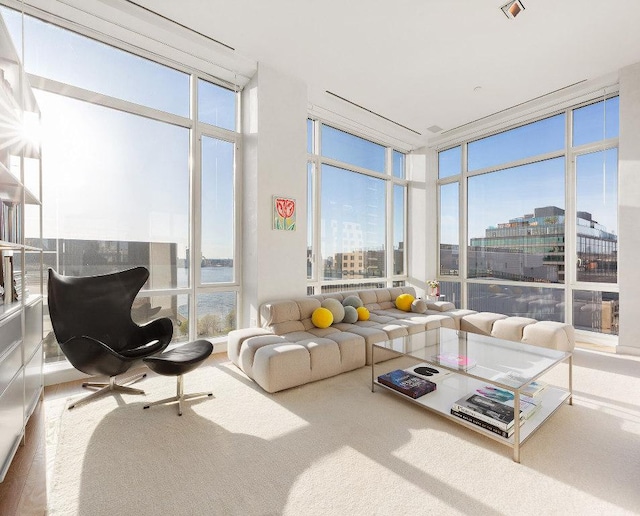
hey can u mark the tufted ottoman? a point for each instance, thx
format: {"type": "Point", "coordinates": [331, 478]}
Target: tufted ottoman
{"type": "Point", "coordinates": [550, 334]}
{"type": "Point", "coordinates": [277, 362]}
{"type": "Point", "coordinates": [511, 328]}
{"type": "Point", "coordinates": [481, 322]}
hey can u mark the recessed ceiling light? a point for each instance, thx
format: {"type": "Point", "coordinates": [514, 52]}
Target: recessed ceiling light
{"type": "Point", "coordinates": [513, 8]}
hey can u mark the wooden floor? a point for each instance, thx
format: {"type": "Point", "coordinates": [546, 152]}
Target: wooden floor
{"type": "Point", "coordinates": [24, 490]}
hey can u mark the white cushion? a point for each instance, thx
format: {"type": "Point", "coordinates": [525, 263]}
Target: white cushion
{"type": "Point", "coordinates": [440, 306]}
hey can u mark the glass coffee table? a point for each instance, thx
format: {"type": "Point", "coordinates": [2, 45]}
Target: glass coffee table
{"type": "Point", "coordinates": [468, 362]}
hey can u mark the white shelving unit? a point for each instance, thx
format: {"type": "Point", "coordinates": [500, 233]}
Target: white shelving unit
{"type": "Point", "coordinates": [21, 265]}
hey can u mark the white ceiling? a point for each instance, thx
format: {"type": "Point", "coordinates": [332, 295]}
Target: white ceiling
{"type": "Point", "coordinates": [420, 62]}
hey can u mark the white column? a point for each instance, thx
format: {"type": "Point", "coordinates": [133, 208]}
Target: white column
{"type": "Point", "coordinates": [629, 210]}
{"type": "Point", "coordinates": [422, 220]}
{"type": "Point", "coordinates": [274, 163]}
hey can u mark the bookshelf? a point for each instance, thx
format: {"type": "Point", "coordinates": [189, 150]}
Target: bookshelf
{"type": "Point", "coordinates": [21, 260]}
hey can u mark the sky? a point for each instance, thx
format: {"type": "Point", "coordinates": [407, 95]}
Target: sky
{"type": "Point", "coordinates": [499, 196]}
{"type": "Point", "coordinates": [141, 191]}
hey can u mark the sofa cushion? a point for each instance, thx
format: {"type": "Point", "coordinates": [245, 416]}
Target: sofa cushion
{"type": "Point", "coordinates": [287, 327]}
{"type": "Point", "coordinates": [419, 306]}
{"type": "Point", "coordinates": [281, 367]}
{"type": "Point", "coordinates": [456, 315]}
{"type": "Point", "coordinates": [481, 322]}
{"type": "Point", "coordinates": [306, 306]}
{"type": "Point", "coordinates": [381, 316]}
{"type": "Point", "coordinates": [251, 346]}
{"type": "Point", "coordinates": [550, 334]}
{"type": "Point", "coordinates": [368, 297]}
{"type": "Point", "coordinates": [280, 311]}
{"type": "Point", "coordinates": [440, 306]}
{"type": "Point", "coordinates": [432, 321]}
{"type": "Point", "coordinates": [383, 295]}
{"type": "Point", "coordinates": [392, 313]}
{"type": "Point", "coordinates": [236, 338]}
{"type": "Point", "coordinates": [510, 328]}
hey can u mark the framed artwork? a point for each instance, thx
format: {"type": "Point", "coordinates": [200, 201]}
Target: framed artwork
{"type": "Point", "coordinates": [284, 213]}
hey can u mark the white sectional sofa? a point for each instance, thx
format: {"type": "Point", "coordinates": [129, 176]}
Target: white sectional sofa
{"type": "Point", "coordinates": [289, 350]}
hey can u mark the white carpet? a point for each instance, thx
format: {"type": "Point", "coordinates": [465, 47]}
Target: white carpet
{"type": "Point", "coordinates": [333, 447]}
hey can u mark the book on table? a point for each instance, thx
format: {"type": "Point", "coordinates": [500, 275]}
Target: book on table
{"type": "Point", "coordinates": [407, 383]}
{"type": "Point", "coordinates": [528, 405]}
{"type": "Point", "coordinates": [486, 409]}
{"type": "Point", "coordinates": [483, 424]}
{"type": "Point", "coordinates": [513, 379]}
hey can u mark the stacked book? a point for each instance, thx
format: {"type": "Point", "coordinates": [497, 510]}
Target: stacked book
{"type": "Point", "coordinates": [19, 291]}
{"type": "Point", "coordinates": [492, 408]}
{"type": "Point", "coordinates": [407, 383]}
{"type": "Point", "coordinates": [513, 379]}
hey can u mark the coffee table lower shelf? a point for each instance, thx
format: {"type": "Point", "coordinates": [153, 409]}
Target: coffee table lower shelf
{"type": "Point", "coordinates": [453, 387]}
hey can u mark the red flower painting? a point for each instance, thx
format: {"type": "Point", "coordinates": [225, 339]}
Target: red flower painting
{"type": "Point", "coordinates": [284, 213]}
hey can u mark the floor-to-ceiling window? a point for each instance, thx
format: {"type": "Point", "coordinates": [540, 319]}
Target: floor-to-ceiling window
{"type": "Point", "coordinates": [540, 219]}
{"type": "Point", "coordinates": [357, 211]}
{"type": "Point", "coordinates": [139, 168]}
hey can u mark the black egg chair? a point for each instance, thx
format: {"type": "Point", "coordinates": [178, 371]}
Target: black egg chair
{"type": "Point", "coordinates": [91, 319]}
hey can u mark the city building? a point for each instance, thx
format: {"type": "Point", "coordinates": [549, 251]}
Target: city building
{"type": "Point", "coordinates": [532, 248]}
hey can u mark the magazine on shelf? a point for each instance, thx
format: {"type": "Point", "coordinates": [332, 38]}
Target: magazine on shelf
{"type": "Point", "coordinates": [453, 360]}
{"type": "Point", "coordinates": [528, 406]}
{"type": "Point", "coordinates": [484, 424]}
{"type": "Point", "coordinates": [407, 383]}
{"type": "Point", "coordinates": [513, 379]}
{"type": "Point", "coordinates": [486, 409]}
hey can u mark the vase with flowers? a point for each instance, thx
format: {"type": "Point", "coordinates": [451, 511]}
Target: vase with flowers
{"type": "Point", "coordinates": [434, 288]}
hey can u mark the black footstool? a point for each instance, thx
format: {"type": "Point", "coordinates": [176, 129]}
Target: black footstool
{"type": "Point", "coordinates": [177, 362]}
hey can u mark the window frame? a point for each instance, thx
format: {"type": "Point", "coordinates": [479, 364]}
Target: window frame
{"type": "Point", "coordinates": [196, 130]}
{"type": "Point", "coordinates": [569, 153]}
{"type": "Point", "coordinates": [316, 283]}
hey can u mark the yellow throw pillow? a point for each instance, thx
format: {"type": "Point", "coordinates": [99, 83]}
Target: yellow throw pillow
{"type": "Point", "coordinates": [403, 302]}
{"type": "Point", "coordinates": [363, 313]}
{"type": "Point", "coordinates": [322, 317]}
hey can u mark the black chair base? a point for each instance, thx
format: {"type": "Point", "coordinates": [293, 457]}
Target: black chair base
{"type": "Point", "coordinates": [111, 387]}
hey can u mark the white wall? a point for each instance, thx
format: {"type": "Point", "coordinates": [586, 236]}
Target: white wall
{"type": "Point", "coordinates": [629, 210]}
{"type": "Point", "coordinates": [274, 163]}
{"type": "Point", "coordinates": [421, 237]}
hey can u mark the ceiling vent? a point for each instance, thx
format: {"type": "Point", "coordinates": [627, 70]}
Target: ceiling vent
{"type": "Point", "coordinates": [372, 112]}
